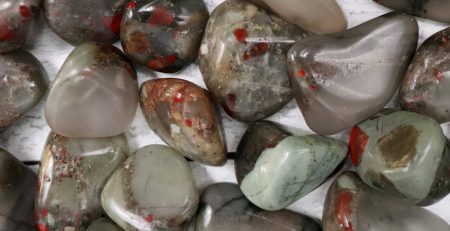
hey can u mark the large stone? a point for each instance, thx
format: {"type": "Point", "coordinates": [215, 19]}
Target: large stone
{"type": "Point", "coordinates": [431, 9]}
{"type": "Point", "coordinates": [342, 79]}
{"type": "Point", "coordinates": [243, 59]}
{"type": "Point", "coordinates": [103, 225]}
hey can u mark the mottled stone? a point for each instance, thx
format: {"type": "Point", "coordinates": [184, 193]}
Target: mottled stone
{"type": "Point", "coordinates": [103, 225]}
{"type": "Point", "coordinates": [184, 116]}
{"type": "Point", "coordinates": [71, 177]}
{"type": "Point", "coordinates": [153, 190]}
{"type": "Point", "coordinates": [223, 207]}
{"type": "Point", "coordinates": [95, 93]}
{"type": "Point", "coordinates": [426, 85]}
{"type": "Point", "coordinates": [17, 187]}
{"type": "Point", "coordinates": [17, 18]}
{"type": "Point", "coordinates": [163, 35]}
{"type": "Point", "coordinates": [83, 21]}
{"type": "Point", "coordinates": [351, 205]}
{"type": "Point", "coordinates": [243, 59]}
{"type": "Point", "coordinates": [275, 168]}
{"type": "Point", "coordinates": [318, 16]}
{"type": "Point", "coordinates": [430, 9]}
{"type": "Point", "coordinates": [342, 79]}
{"type": "Point", "coordinates": [23, 83]}
{"type": "Point", "coordinates": [404, 154]}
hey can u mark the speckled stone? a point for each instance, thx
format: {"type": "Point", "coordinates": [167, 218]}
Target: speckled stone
{"type": "Point", "coordinates": [71, 177]}
{"type": "Point", "coordinates": [342, 79]}
{"type": "Point", "coordinates": [95, 93]}
{"type": "Point", "coordinates": [223, 207]}
{"type": "Point", "coordinates": [243, 59]}
{"type": "Point", "coordinates": [103, 225]}
{"type": "Point", "coordinates": [351, 205]}
{"type": "Point", "coordinates": [426, 85]}
{"type": "Point", "coordinates": [163, 35]}
{"type": "Point", "coordinates": [404, 154]}
{"type": "Point", "coordinates": [275, 168]}
{"type": "Point", "coordinates": [184, 116]}
{"type": "Point", "coordinates": [83, 21]}
{"type": "Point", "coordinates": [17, 187]}
{"type": "Point", "coordinates": [17, 18]}
{"type": "Point", "coordinates": [153, 190]}
{"type": "Point", "coordinates": [430, 9]}
{"type": "Point", "coordinates": [23, 83]}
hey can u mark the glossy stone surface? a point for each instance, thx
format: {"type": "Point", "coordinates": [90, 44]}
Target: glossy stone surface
{"type": "Point", "coordinates": [342, 79]}
{"type": "Point", "coordinates": [83, 21]}
{"type": "Point", "coordinates": [183, 115]}
{"type": "Point", "coordinates": [163, 35]}
{"type": "Point", "coordinates": [223, 207]}
{"type": "Point", "coordinates": [243, 59]}
{"type": "Point", "coordinates": [319, 16]}
{"type": "Point", "coordinates": [17, 19]}
{"type": "Point", "coordinates": [426, 85]}
{"type": "Point", "coordinates": [103, 225]}
{"type": "Point", "coordinates": [17, 186]}
{"type": "Point", "coordinates": [351, 205]}
{"type": "Point", "coordinates": [95, 93]}
{"type": "Point", "coordinates": [23, 83]}
{"type": "Point", "coordinates": [404, 154]}
{"type": "Point", "coordinates": [71, 177]}
{"type": "Point", "coordinates": [153, 190]}
{"type": "Point", "coordinates": [275, 168]}
{"type": "Point", "coordinates": [430, 9]}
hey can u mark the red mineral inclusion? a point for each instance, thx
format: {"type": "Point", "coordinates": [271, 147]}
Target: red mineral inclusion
{"type": "Point", "coordinates": [25, 11]}
{"type": "Point", "coordinates": [241, 35]}
{"type": "Point", "coordinates": [259, 49]}
{"type": "Point", "coordinates": [157, 64]}
{"type": "Point", "coordinates": [161, 16]}
{"type": "Point", "coordinates": [115, 23]}
{"type": "Point", "coordinates": [179, 96]}
{"type": "Point", "coordinates": [171, 59]}
{"type": "Point", "coordinates": [301, 73]}
{"type": "Point", "coordinates": [188, 122]}
{"type": "Point", "coordinates": [42, 227]}
{"type": "Point", "coordinates": [357, 143]}
{"type": "Point", "coordinates": [149, 218]}
{"type": "Point", "coordinates": [44, 212]}
{"type": "Point", "coordinates": [6, 33]}
{"type": "Point", "coordinates": [131, 5]}
{"type": "Point", "coordinates": [343, 210]}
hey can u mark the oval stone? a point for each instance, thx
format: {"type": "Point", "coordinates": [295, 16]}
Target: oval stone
{"type": "Point", "coordinates": [103, 225]}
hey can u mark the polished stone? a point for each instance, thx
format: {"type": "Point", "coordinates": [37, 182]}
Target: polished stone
{"type": "Point", "coordinates": [17, 18]}
{"type": "Point", "coordinates": [351, 205]}
{"type": "Point", "coordinates": [163, 35]}
{"type": "Point", "coordinates": [23, 83]}
{"type": "Point", "coordinates": [103, 225]}
{"type": "Point", "coordinates": [17, 187]}
{"type": "Point", "coordinates": [223, 207]}
{"type": "Point", "coordinates": [153, 190]}
{"type": "Point", "coordinates": [83, 21]}
{"type": "Point", "coordinates": [318, 16]}
{"type": "Point", "coordinates": [95, 93]}
{"type": "Point", "coordinates": [430, 9]}
{"type": "Point", "coordinates": [243, 59]}
{"type": "Point", "coordinates": [275, 168]}
{"type": "Point", "coordinates": [71, 177]}
{"type": "Point", "coordinates": [404, 154]}
{"type": "Point", "coordinates": [426, 85]}
{"type": "Point", "coordinates": [342, 79]}
{"type": "Point", "coordinates": [184, 116]}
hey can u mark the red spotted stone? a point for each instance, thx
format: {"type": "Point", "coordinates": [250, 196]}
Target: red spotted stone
{"type": "Point", "coordinates": [357, 143]}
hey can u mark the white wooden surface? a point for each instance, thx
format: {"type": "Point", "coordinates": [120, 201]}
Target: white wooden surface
{"type": "Point", "coordinates": [26, 138]}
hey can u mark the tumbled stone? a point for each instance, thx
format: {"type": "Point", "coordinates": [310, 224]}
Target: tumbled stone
{"type": "Point", "coordinates": [17, 187]}
{"type": "Point", "coordinates": [351, 205]}
{"type": "Point", "coordinates": [430, 9]}
{"type": "Point", "coordinates": [404, 154]}
{"type": "Point", "coordinates": [17, 18]}
{"type": "Point", "coordinates": [153, 190]}
{"type": "Point", "coordinates": [319, 16]}
{"type": "Point", "coordinates": [223, 207]}
{"type": "Point", "coordinates": [275, 168]}
{"type": "Point", "coordinates": [95, 93]}
{"type": "Point", "coordinates": [83, 21]}
{"type": "Point", "coordinates": [163, 35]}
{"type": "Point", "coordinates": [426, 85]}
{"type": "Point", "coordinates": [103, 225]}
{"type": "Point", "coordinates": [71, 177]}
{"type": "Point", "coordinates": [183, 115]}
{"type": "Point", "coordinates": [342, 79]}
{"type": "Point", "coordinates": [243, 59]}
{"type": "Point", "coordinates": [23, 83]}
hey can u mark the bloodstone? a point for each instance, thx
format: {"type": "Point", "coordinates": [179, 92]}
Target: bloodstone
{"type": "Point", "coordinates": [430, 9]}
{"type": "Point", "coordinates": [342, 79]}
{"type": "Point", "coordinates": [275, 168]}
{"type": "Point", "coordinates": [426, 86]}
{"type": "Point", "coordinates": [83, 21]}
{"type": "Point", "coordinates": [404, 154]}
{"type": "Point", "coordinates": [183, 115]}
{"type": "Point", "coordinates": [164, 35]}
{"type": "Point", "coordinates": [103, 225]}
{"type": "Point", "coordinates": [243, 59]}
{"type": "Point", "coordinates": [351, 205]}
{"type": "Point", "coordinates": [23, 83]}
{"type": "Point", "coordinates": [223, 207]}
